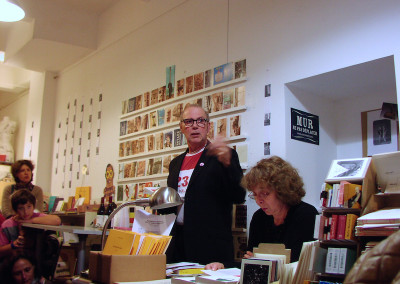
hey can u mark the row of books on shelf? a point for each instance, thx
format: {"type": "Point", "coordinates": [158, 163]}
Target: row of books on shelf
{"type": "Point", "coordinates": [224, 127]}
{"type": "Point", "coordinates": [343, 194]}
{"type": "Point", "coordinates": [337, 227]}
{"type": "Point", "coordinates": [335, 260]}
{"type": "Point", "coordinates": [59, 204]}
{"type": "Point", "coordinates": [187, 85]}
{"type": "Point", "coordinates": [121, 242]}
{"type": "Point", "coordinates": [217, 102]}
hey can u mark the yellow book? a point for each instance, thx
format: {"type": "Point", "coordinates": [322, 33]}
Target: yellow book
{"type": "Point", "coordinates": [136, 243]}
{"type": "Point", "coordinates": [350, 224]}
{"type": "Point", "coordinates": [119, 242]}
{"type": "Point", "coordinates": [83, 191]}
{"type": "Point", "coordinates": [166, 243]}
{"type": "Point", "coordinates": [146, 245]}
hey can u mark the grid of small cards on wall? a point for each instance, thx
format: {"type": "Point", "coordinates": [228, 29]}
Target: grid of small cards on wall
{"type": "Point", "coordinates": [150, 136]}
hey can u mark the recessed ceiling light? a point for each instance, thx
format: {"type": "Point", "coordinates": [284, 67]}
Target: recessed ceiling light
{"type": "Point", "coordinates": [10, 12]}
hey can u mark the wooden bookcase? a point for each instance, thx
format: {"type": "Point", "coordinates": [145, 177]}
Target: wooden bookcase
{"type": "Point", "coordinates": [368, 204]}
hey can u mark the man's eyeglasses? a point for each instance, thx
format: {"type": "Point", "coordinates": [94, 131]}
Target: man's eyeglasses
{"type": "Point", "coordinates": [190, 121]}
{"type": "Point", "coordinates": [261, 195]}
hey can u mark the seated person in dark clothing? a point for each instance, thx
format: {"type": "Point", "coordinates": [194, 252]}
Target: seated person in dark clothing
{"type": "Point", "coordinates": [282, 218]}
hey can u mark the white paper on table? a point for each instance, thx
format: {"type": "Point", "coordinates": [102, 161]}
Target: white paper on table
{"type": "Point", "coordinates": [148, 223]}
{"type": "Point", "coordinates": [221, 273]}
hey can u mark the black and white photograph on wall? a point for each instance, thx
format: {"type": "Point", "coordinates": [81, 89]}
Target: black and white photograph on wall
{"type": "Point", "coordinates": [207, 78]}
{"type": "Point", "coordinates": [267, 90]}
{"type": "Point", "coordinates": [267, 148]}
{"type": "Point", "coordinates": [382, 136]}
{"type": "Point", "coordinates": [240, 69]}
{"type": "Point", "coordinates": [267, 119]}
{"type": "Point", "coordinates": [198, 81]}
{"type": "Point", "coordinates": [170, 81]}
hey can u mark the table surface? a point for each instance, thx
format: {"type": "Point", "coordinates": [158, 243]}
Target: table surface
{"type": "Point", "coordinates": [80, 230]}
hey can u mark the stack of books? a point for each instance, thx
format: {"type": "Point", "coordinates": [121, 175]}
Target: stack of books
{"type": "Point", "coordinates": [383, 222]}
{"type": "Point", "coordinates": [120, 242]}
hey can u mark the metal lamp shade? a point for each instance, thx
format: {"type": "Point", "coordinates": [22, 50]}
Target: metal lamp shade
{"type": "Point", "coordinates": [164, 197]}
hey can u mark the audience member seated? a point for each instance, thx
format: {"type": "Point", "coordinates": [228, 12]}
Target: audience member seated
{"type": "Point", "coordinates": [11, 234]}
{"type": "Point", "coordinates": [21, 269]}
{"type": "Point", "coordinates": [22, 173]}
{"type": "Point", "coordinates": [282, 218]}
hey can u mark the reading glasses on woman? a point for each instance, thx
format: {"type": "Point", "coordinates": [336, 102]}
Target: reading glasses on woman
{"type": "Point", "coordinates": [261, 195]}
{"type": "Point", "coordinates": [190, 121]}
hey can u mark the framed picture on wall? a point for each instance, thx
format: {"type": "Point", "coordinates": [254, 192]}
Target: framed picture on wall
{"type": "Point", "coordinates": [348, 169]}
{"type": "Point", "coordinates": [379, 133]}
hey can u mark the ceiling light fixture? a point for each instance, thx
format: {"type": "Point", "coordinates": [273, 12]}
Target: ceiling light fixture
{"type": "Point", "coordinates": [10, 12]}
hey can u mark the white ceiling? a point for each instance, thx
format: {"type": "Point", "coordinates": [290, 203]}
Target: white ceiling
{"type": "Point", "coordinates": [31, 44]}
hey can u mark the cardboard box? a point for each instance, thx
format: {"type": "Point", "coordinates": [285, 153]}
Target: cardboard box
{"type": "Point", "coordinates": [128, 268]}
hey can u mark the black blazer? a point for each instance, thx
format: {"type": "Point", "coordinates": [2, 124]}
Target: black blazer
{"type": "Point", "coordinates": [211, 192]}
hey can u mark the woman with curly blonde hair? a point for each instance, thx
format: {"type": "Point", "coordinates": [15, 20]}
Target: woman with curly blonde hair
{"type": "Point", "coordinates": [282, 218]}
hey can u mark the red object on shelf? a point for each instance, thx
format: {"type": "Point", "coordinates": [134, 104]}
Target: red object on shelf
{"type": "Point", "coordinates": [3, 158]}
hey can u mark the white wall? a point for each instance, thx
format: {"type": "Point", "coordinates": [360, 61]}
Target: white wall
{"type": "Point", "coordinates": [283, 41]}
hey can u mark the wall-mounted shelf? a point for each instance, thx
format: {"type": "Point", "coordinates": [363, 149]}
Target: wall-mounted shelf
{"type": "Point", "coordinates": [184, 97]}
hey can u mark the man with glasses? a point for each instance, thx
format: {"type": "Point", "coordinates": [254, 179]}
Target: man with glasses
{"type": "Point", "coordinates": [207, 176]}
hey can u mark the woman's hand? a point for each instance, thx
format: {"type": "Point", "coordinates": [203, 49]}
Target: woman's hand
{"type": "Point", "coordinates": [214, 266]}
{"type": "Point", "coordinates": [248, 254]}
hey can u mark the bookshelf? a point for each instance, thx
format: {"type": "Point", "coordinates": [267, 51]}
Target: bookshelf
{"type": "Point", "coordinates": [342, 204]}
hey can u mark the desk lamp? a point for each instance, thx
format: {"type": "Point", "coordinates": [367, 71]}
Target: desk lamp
{"type": "Point", "coordinates": [164, 197]}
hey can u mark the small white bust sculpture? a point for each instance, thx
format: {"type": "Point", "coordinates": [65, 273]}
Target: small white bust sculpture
{"type": "Point", "coordinates": [7, 130]}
